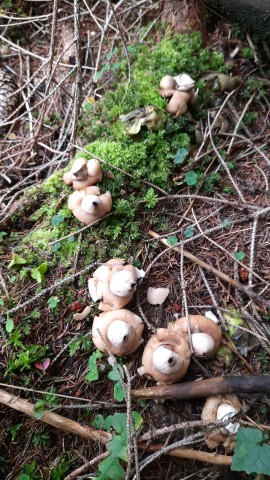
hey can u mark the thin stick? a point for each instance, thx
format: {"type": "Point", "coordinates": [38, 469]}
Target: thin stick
{"type": "Point", "coordinates": [57, 421]}
{"type": "Point", "coordinates": [250, 293]}
{"type": "Point", "coordinates": [204, 388]}
{"type": "Point", "coordinates": [191, 454]}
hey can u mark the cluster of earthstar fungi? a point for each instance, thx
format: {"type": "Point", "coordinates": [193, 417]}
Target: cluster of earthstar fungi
{"type": "Point", "coordinates": [116, 330]}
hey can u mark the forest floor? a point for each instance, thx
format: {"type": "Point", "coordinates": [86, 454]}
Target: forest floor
{"type": "Point", "coordinates": [200, 181]}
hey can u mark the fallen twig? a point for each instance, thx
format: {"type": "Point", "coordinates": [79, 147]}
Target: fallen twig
{"type": "Point", "coordinates": [205, 388]}
{"type": "Point", "coordinates": [191, 454]}
{"type": "Point", "coordinates": [57, 421]}
{"type": "Point", "coordinates": [250, 293]}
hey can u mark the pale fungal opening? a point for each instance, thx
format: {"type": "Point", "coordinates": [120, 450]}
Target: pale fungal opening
{"type": "Point", "coordinates": [224, 413]}
{"type": "Point", "coordinates": [90, 203]}
{"type": "Point", "coordinates": [202, 343]}
{"type": "Point", "coordinates": [95, 289]}
{"type": "Point", "coordinates": [166, 361]}
{"type": "Point", "coordinates": [119, 333]}
{"type": "Point", "coordinates": [122, 283]}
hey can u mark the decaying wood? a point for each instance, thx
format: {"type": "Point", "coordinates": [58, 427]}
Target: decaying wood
{"type": "Point", "coordinates": [190, 454]}
{"type": "Point", "coordinates": [250, 293]}
{"type": "Point", "coordinates": [205, 388]}
{"type": "Point", "coordinates": [57, 421]}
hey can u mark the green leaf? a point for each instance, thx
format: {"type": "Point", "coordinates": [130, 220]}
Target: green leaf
{"type": "Point", "coordinates": [188, 232]}
{"type": "Point", "coordinates": [92, 364]}
{"type": "Point", "coordinates": [2, 234]}
{"type": "Point", "coordinates": [56, 247]}
{"type": "Point", "coordinates": [52, 302]}
{"type": "Point", "coordinates": [180, 156]}
{"type": "Point", "coordinates": [251, 454]}
{"type": "Point", "coordinates": [9, 325]}
{"type": "Point", "coordinates": [57, 219]}
{"type": "Point", "coordinates": [191, 178]}
{"type": "Point", "coordinates": [172, 241]}
{"type": "Point", "coordinates": [38, 273]}
{"type": "Point", "coordinates": [39, 409]}
{"type": "Point", "coordinates": [1, 302]}
{"type": "Point", "coordinates": [16, 261]}
{"type": "Point", "coordinates": [71, 239]}
{"type": "Point", "coordinates": [239, 255]}
{"type": "Point", "coordinates": [118, 391]}
{"type": "Point", "coordinates": [24, 476]}
{"type": "Point", "coordinates": [114, 375]}
{"type": "Point", "coordinates": [98, 422]}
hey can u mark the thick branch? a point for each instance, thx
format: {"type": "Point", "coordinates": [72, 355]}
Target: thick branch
{"type": "Point", "coordinates": [250, 293]}
{"type": "Point", "coordinates": [205, 388]}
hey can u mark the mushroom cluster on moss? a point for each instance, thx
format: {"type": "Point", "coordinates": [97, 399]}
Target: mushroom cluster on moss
{"type": "Point", "coordinates": [83, 173]}
{"type": "Point", "coordinates": [89, 205]}
{"type": "Point", "coordinates": [180, 90]}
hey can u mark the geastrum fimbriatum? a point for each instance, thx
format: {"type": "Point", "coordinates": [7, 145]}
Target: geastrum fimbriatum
{"type": "Point", "coordinates": [89, 205]}
{"type": "Point", "coordinates": [121, 330]}
{"type": "Point", "coordinates": [114, 283]}
{"type": "Point", "coordinates": [205, 334]}
{"type": "Point", "coordinates": [222, 409]}
{"type": "Point", "coordinates": [83, 173]}
{"type": "Point", "coordinates": [166, 357]}
{"type": "Point", "coordinates": [180, 90]}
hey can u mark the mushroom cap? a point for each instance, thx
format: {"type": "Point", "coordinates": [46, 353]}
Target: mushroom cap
{"type": "Point", "coordinates": [121, 331]}
{"type": "Point", "coordinates": [184, 82]}
{"type": "Point", "coordinates": [123, 282]}
{"type": "Point", "coordinates": [224, 413]}
{"type": "Point", "coordinates": [111, 275]}
{"type": "Point", "coordinates": [209, 413]}
{"type": "Point", "coordinates": [94, 169]}
{"type": "Point", "coordinates": [178, 104]}
{"type": "Point", "coordinates": [202, 344]}
{"type": "Point", "coordinates": [175, 356]}
{"type": "Point", "coordinates": [167, 83]}
{"type": "Point", "coordinates": [200, 324]}
{"type": "Point", "coordinates": [91, 204]}
{"type": "Point", "coordinates": [88, 205]}
{"type": "Point", "coordinates": [83, 173]}
{"type": "Point", "coordinates": [78, 169]}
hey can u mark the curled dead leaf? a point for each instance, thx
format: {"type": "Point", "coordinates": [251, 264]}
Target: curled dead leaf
{"type": "Point", "coordinates": [83, 314]}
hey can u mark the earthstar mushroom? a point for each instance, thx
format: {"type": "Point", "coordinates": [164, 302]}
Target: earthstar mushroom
{"type": "Point", "coordinates": [114, 283]}
{"type": "Point", "coordinates": [83, 173]}
{"type": "Point", "coordinates": [166, 357]}
{"type": "Point", "coordinates": [205, 334]}
{"type": "Point", "coordinates": [89, 205]}
{"type": "Point", "coordinates": [222, 408]}
{"type": "Point", "coordinates": [121, 330]}
{"type": "Point", "coordinates": [181, 90]}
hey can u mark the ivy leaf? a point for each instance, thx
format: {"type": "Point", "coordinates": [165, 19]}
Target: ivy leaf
{"type": "Point", "coordinates": [188, 232]}
{"type": "Point", "coordinates": [114, 375]}
{"type": "Point", "coordinates": [16, 261]}
{"type": "Point", "coordinates": [172, 241]}
{"type": "Point", "coordinates": [38, 273]}
{"type": "Point", "coordinates": [191, 178]}
{"type": "Point", "coordinates": [93, 373]}
{"type": "Point", "coordinates": [98, 422]}
{"type": "Point", "coordinates": [180, 156]}
{"type": "Point", "coordinates": [57, 219]}
{"type": "Point", "coordinates": [251, 454]}
{"type": "Point", "coordinates": [239, 255]}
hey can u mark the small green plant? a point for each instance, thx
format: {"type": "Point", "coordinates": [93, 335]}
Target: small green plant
{"type": "Point", "coordinates": [93, 373]}
{"type": "Point", "coordinates": [239, 255]}
{"type": "Point", "coordinates": [110, 468]}
{"type": "Point", "coordinates": [25, 357]}
{"type": "Point", "coordinates": [150, 198]}
{"type": "Point", "coordinates": [251, 453]}
{"type": "Point", "coordinates": [38, 273]}
{"type": "Point", "coordinates": [14, 429]}
{"type": "Point", "coordinates": [117, 389]}
{"type": "Point", "coordinates": [53, 302]}
{"type": "Point", "coordinates": [191, 178]}
{"type": "Point", "coordinates": [82, 342]}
